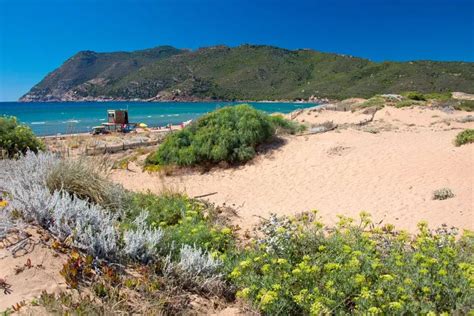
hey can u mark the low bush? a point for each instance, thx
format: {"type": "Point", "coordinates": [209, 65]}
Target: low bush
{"type": "Point", "coordinates": [465, 105]}
{"type": "Point", "coordinates": [231, 134]}
{"type": "Point", "coordinates": [376, 101]}
{"type": "Point", "coordinates": [442, 194]}
{"type": "Point", "coordinates": [17, 138]}
{"type": "Point", "coordinates": [414, 95]}
{"type": "Point", "coordinates": [184, 222]}
{"type": "Point", "coordinates": [440, 96]}
{"type": "Point", "coordinates": [464, 137]}
{"type": "Point", "coordinates": [297, 267]}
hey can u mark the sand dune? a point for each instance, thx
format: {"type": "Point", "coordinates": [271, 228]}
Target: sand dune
{"type": "Point", "coordinates": [389, 168]}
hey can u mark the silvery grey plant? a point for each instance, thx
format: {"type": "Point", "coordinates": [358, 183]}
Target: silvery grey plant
{"type": "Point", "coordinates": [276, 232]}
{"type": "Point", "coordinates": [6, 225]}
{"type": "Point", "coordinates": [87, 225]}
{"type": "Point", "coordinates": [142, 242]}
{"type": "Point", "coordinates": [197, 262]}
{"type": "Point", "coordinates": [196, 269]}
{"type": "Point", "coordinates": [90, 227]}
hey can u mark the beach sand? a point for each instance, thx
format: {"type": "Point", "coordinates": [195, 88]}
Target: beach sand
{"type": "Point", "coordinates": [388, 168]}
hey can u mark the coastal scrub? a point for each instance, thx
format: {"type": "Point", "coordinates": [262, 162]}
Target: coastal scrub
{"type": "Point", "coordinates": [231, 134]}
{"type": "Point", "coordinates": [300, 267]}
{"type": "Point", "coordinates": [464, 137]}
{"type": "Point", "coordinates": [17, 138]}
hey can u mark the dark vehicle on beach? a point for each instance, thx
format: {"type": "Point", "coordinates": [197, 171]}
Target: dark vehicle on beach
{"type": "Point", "coordinates": [99, 130]}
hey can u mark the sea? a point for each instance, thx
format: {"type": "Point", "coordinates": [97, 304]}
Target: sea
{"type": "Point", "coordinates": [52, 118]}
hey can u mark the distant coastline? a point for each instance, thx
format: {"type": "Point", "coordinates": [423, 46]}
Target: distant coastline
{"type": "Point", "coordinates": [312, 99]}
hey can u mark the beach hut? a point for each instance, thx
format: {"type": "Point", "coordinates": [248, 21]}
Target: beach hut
{"type": "Point", "coordinates": [117, 117]}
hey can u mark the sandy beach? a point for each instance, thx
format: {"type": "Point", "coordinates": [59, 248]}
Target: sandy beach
{"type": "Point", "coordinates": [389, 167]}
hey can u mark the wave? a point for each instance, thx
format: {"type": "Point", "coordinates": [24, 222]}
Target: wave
{"type": "Point", "coordinates": [71, 121]}
{"type": "Point", "coordinates": [38, 123]}
{"type": "Point", "coordinates": [173, 115]}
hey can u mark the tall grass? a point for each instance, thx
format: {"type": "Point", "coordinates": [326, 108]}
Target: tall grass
{"type": "Point", "coordinates": [86, 181]}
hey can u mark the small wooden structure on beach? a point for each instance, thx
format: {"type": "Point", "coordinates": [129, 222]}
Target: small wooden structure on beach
{"type": "Point", "coordinates": [117, 121]}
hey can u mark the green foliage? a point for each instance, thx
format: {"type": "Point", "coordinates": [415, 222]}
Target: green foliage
{"type": "Point", "coordinates": [230, 134]}
{"type": "Point", "coordinates": [285, 126]}
{"type": "Point", "coordinates": [300, 268]}
{"type": "Point", "coordinates": [439, 96]}
{"type": "Point", "coordinates": [183, 220]}
{"type": "Point", "coordinates": [414, 95]}
{"type": "Point", "coordinates": [464, 137]}
{"type": "Point", "coordinates": [465, 105]}
{"type": "Point", "coordinates": [376, 101]}
{"type": "Point", "coordinates": [166, 209]}
{"type": "Point", "coordinates": [418, 96]}
{"type": "Point", "coordinates": [17, 138]}
{"type": "Point", "coordinates": [407, 103]}
{"type": "Point", "coordinates": [247, 72]}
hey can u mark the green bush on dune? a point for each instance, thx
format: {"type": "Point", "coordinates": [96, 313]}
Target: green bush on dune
{"type": "Point", "coordinates": [464, 137]}
{"type": "Point", "coordinates": [17, 138]}
{"type": "Point", "coordinates": [230, 134]}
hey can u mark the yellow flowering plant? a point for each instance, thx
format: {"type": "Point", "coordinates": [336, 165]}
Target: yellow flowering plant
{"type": "Point", "coordinates": [356, 267]}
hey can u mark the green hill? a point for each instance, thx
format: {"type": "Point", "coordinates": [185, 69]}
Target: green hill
{"type": "Point", "coordinates": [246, 72]}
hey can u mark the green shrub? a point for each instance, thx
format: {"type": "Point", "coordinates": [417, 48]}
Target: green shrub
{"type": "Point", "coordinates": [298, 267]}
{"type": "Point", "coordinates": [464, 137]}
{"type": "Point", "coordinates": [17, 138]}
{"type": "Point", "coordinates": [465, 105]}
{"type": "Point", "coordinates": [406, 103]}
{"type": "Point", "coordinates": [376, 101]}
{"type": "Point", "coordinates": [230, 134]}
{"type": "Point", "coordinates": [166, 209]}
{"type": "Point", "coordinates": [413, 95]}
{"type": "Point", "coordinates": [184, 221]}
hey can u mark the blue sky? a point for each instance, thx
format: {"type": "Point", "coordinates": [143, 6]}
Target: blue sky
{"type": "Point", "coordinates": [36, 36]}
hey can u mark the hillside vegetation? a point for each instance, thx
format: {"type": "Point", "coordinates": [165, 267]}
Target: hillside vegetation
{"type": "Point", "coordinates": [246, 72]}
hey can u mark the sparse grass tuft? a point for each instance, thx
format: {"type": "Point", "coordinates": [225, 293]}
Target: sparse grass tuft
{"type": "Point", "coordinates": [443, 194]}
{"type": "Point", "coordinates": [464, 137]}
{"type": "Point", "coordinates": [285, 126]}
{"type": "Point", "coordinates": [86, 181]}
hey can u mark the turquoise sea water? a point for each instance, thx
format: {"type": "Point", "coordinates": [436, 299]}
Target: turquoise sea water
{"type": "Point", "coordinates": [75, 117]}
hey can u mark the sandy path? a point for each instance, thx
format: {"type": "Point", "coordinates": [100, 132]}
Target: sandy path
{"type": "Point", "coordinates": [391, 174]}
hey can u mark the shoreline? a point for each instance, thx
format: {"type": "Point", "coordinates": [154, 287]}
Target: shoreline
{"type": "Point", "coordinates": [316, 101]}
